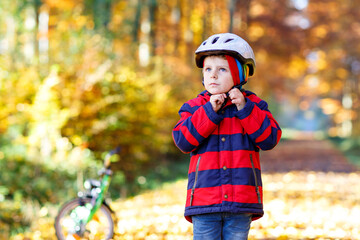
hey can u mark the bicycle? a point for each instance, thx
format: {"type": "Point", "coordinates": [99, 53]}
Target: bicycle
{"type": "Point", "coordinates": [88, 216]}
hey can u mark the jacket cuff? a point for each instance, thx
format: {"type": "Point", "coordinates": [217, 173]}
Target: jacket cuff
{"type": "Point", "coordinates": [246, 111]}
{"type": "Point", "coordinates": [212, 115]}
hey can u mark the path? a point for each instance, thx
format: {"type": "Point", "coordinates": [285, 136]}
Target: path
{"type": "Point", "coordinates": [305, 155]}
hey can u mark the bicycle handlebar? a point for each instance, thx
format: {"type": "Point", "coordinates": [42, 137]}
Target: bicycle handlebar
{"type": "Point", "coordinates": [108, 156]}
{"type": "Point", "coordinates": [115, 151]}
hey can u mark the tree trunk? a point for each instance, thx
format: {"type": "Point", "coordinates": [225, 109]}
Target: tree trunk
{"type": "Point", "coordinates": [135, 32]}
{"type": "Point", "coordinates": [152, 20]}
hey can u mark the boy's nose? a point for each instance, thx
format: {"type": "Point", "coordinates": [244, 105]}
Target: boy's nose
{"type": "Point", "coordinates": [213, 74]}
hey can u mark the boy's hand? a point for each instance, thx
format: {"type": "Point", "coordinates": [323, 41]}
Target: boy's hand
{"type": "Point", "coordinates": [217, 100]}
{"type": "Point", "coordinates": [237, 98]}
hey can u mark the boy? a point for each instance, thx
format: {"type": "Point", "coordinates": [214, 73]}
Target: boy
{"type": "Point", "coordinates": [224, 129]}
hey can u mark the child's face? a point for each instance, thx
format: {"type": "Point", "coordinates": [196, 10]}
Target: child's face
{"type": "Point", "coordinates": [217, 75]}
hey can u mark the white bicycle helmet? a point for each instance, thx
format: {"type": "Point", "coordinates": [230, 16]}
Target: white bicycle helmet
{"type": "Point", "coordinates": [226, 43]}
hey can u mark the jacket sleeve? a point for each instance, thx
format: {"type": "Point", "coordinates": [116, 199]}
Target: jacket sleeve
{"type": "Point", "coordinates": [259, 123]}
{"type": "Point", "coordinates": [196, 123]}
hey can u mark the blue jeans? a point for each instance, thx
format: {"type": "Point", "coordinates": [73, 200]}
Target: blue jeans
{"type": "Point", "coordinates": [225, 226]}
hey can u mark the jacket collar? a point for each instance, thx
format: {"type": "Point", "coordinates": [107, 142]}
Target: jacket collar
{"type": "Point", "coordinates": [206, 95]}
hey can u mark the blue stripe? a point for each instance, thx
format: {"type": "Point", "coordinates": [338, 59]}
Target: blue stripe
{"type": "Point", "coordinates": [241, 74]}
{"type": "Point", "coordinates": [264, 125]}
{"type": "Point", "coordinates": [211, 114]}
{"type": "Point", "coordinates": [246, 111]}
{"type": "Point", "coordinates": [232, 142]}
{"type": "Point", "coordinates": [271, 141]}
{"type": "Point", "coordinates": [187, 108]}
{"type": "Point", "coordinates": [234, 206]}
{"type": "Point", "coordinates": [182, 143]}
{"type": "Point", "coordinates": [262, 105]}
{"type": "Point", "coordinates": [179, 138]}
{"type": "Point", "coordinates": [230, 176]}
{"type": "Point", "coordinates": [192, 129]}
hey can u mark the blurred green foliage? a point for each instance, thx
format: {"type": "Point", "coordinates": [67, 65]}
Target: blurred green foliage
{"type": "Point", "coordinates": [25, 185]}
{"type": "Point", "coordinates": [350, 147]}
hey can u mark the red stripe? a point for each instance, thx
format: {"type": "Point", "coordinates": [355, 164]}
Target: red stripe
{"type": "Point", "coordinates": [189, 137]}
{"type": "Point", "coordinates": [264, 135]}
{"type": "Point", "coordinates": [230, 126]}
{"type": "Point", "coordinates": [199, 101]}
{"type": "Point", "coordinates": [204, 126]}
{"type": "Point", "coordinates": [230, 159]}
{"type": "Point", "coordinates": [233, 69]}
{"type": "Point", "coordinates": [254, 120]}
{"type": "Point", "coordinates": [228, 193]}
{"type": "Point", "coordinates": [254, 98]}
{"type": "Point", "coordinates": [256, 161]}
{"type": "Point", "coordinates": [204, 196]}
{"type": "Point", "coordinates": [246, 194]}
{"type": "Point", "coordinates": [184, 116]}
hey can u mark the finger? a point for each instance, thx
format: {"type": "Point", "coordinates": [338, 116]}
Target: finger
{"type": "Point", "coordinates": [216, 100]}
{"type": "Point", "coordinates": [234, 90]}
{"type": "Point", "coordinates": [237, 94]}
{"type": "Point", "coordinates": [232, 96]}
{"type": "Point", "coordinates": [220, 100]}
{"type": "Point", "coordinates": [221, 97]}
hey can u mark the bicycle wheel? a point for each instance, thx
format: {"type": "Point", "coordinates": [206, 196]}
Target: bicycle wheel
{"type": "Point", "coordinates": [101, 225]}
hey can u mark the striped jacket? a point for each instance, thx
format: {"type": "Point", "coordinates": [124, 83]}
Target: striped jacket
{"type": "Point", "coordinates": [224, 172]}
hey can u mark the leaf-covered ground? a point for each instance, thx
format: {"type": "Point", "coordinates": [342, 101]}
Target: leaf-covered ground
{"type": "Point", "coordinates": [299, 203]}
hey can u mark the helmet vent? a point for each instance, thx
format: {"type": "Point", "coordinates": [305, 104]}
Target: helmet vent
{"type": "Point", "coordinates": [226, 44]}
{"type": "Point", "coordinates": [215, 40]}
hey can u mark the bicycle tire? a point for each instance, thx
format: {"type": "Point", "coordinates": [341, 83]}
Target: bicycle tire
{"type": "Point", "coordinates": [100, 227]}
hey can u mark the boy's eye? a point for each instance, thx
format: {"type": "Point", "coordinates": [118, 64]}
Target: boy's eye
{"type": "Point", "coordinates": [207, 69]}
{"type": "Point", "coordinates": [222, 69]}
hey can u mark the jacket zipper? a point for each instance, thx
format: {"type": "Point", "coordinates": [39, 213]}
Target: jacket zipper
{"type": "Point", "coordinates": [256, 182]}
{"type": "Point", "coordinates": [196, 177]}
